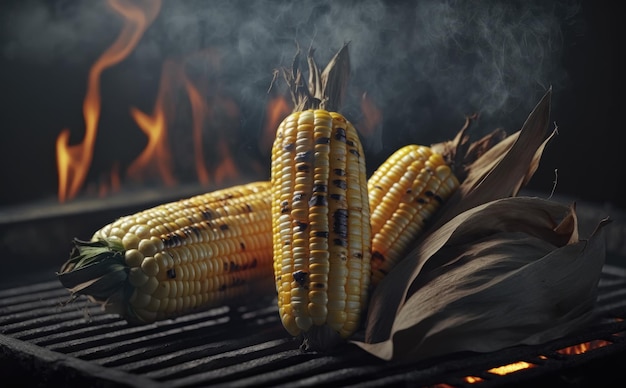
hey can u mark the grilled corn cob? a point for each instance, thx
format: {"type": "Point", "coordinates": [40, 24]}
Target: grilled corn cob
{"type": "Point", "coordinates": [404, 192]}
{"type": "Point", "coordinates": [320, 223]}
{"type": "Point", "coordinates": [178, 257]}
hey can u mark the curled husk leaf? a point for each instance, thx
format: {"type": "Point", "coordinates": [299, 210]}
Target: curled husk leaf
{"type": "Point", "coordinates": [512, 271]}
{"type": "Point", "coordinates": [493, 270]}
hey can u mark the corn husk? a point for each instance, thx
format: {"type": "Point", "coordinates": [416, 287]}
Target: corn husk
{"type": "Point", "coordinates": [494, 270]}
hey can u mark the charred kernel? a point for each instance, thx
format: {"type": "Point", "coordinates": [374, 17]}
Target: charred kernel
{"type": "Point", "coordinates": [223, 227]}
{"type": "Point", "coordinates": [322, 140]}
{"type": "Point", "coordinates": [320, 188]}
{"type": "Point", "coordinates": [289, 147]}
{"type": "Point", "coordinates": [301, 278]}
{"type": "Point", "coordinates": [321, 234]}
{"type": "Point", "coordinates": [339, 171]}
{"type": "Point", "coordinates": [337, 197]}
{"type": "Point", "coordinates": [242, 245]}
{"type": "Point", "coordinates": [301, 226]}
{"type": "Point", "coordinates": [318, 200]}
{"type": "Point", "coordinates": [438, 199]}
{"type": "Point", "coordinates": [298, 196]}
{"type": "Point", "coordinates": [340, 224]}
{"type": "Point", "coordinates": [340, 183]}
{"type": "Point", "coordinates": [303, 167]}
{"type": "Point", "coordinates": [171, 273]}
{"type": "Point", "coordinates": [378, 256]}
{"type": "Point", "coordinates": [340, 134]}
{"type": "Point", "coordinates": [350, 143]}
{"type": "Point", "coordinates": [420, 200]}
{"type": "Point", "coordinates": [354, 152]}
{"type": "Point", "coordinates": [303, 156]}
{"type": "Point", "coordinates": [341, 242]}
{"type": "Point", "coordinates": [429, 193]}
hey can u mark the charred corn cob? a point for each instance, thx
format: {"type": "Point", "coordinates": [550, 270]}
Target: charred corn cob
{"type": "Point", "coordinates": [320, 223]}
{"type": "Point", "coordinates": [404, 192]}
{"type": "Point", "coordinates": [177, 257]}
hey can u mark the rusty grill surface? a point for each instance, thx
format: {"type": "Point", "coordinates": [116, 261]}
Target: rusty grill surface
{"type": "Point", "coordinates": [45, 341]}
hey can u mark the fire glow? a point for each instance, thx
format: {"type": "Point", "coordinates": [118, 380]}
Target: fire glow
{"type": "Point", "coordinates": [217, 114]}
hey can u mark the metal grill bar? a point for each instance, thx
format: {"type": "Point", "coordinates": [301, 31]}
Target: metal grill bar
{"type": "Point", "coordinates": [248, 346]}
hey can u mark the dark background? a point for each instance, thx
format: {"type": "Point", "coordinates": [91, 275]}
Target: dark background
{"type": "Point", "coordinates": [44, 65]}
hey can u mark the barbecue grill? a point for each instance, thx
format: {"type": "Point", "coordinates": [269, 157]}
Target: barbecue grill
{"type": "Point", "coordinates": [45, 340]}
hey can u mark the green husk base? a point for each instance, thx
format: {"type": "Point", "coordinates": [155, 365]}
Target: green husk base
{"type": "Point", "coordinates": [97, 270]}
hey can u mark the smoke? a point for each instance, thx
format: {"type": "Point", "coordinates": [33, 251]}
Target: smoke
{"type": "Point", "coordinates": [425, 63]}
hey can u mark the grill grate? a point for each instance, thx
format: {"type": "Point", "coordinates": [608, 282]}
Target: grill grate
{"type": "Point", "coordinates": [52, 342]}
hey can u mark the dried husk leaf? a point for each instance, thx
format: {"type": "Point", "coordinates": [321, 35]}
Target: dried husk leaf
{"type": "Point", "coordinates": [492, 270]}
{"type": "Point", "coordinates": [323, 90]}
{"type": "Point", "coordinates": [508, 272]}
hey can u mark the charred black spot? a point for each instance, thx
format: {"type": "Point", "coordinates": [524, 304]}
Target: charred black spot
{"type": "Point", "coordinates": [357, 255]}
{"type": "Point", "coordinates": [337, 197]}
{"type": "Point", "coordinates": [322, 140]}
{"type": "Point", "coordinates": [302, 225]}
{"type": "Point", "coordinates": [339, 172]}
{"type": "Point", "coordinates": [340, 183]}
{"type": "Point", "coordinates": [223, 287]}
{"type": "Point", "coordinates": [305, 167]}
{"type": "Point", "coordinates": [340, 134]}
{"type": "Point", "coordinates": [254, 263]}
{"type": "Point", "coordinates": [232, 266]}
{"type": "Point", "coordinates": [420, 200]}
{"type": "Point", "coordinates": [171, 273]}
{"type": "Point", "coordinates": [354, 152]}
{"type": "Point", "coordinates": [303, 156]}
{"type": "Point", "coordinates": [340, 227]}
{"type": "Point", "coordinates": [377, 187]}
{"type": "Point", "coordinates": [298, 196]}
{"type": "Point", "coordinates": [242, 246]}
{"type": "Point", "coordinates": [340, 242]}
{"type": "Point", "coordinates": [350, 143]}
{"type": "Point", "coordinates": [320, 188]}
{"type": "Point", "coordinates": [321, 234]}
{"type": "Point", "coordinates": [207, 214]}
{"type": "Point", "coordinates": [318, 285]}
{"type": "Point", "coordinates": [195, 231]}
{"type": "Point", "coordinates": [438, 199]}
{"type": "Point", "coordinates": [289, 147]}
{"type": "Point", "coordinates": [318, 200]}
{"type": "Point", "coordinates": [248, 207]}
{"type": "Point", "coordinates": [429, 193]}
{"type": "Point", "coordinates": [378, 256]}
{"type": "Point", "coordinates": [301, 278]}
{"type": "Point", "coordinates": [224, 227]}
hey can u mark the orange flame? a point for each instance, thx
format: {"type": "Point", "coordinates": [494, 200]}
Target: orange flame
{"type": "Point", "coordinates": [226, 168]}
{"type": "Point", "coordinates": [372, 116]}
{"type": "Point", "coordinates": [73, 161]}
{"type": "Point", "coordinates": [277, 109]}
{"type": "Point", "coordinates": [156, 155]}
{"type": "Point", "coordinates": [199, 111]}
{"type": "Point", "coordinates": [583, 347]}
